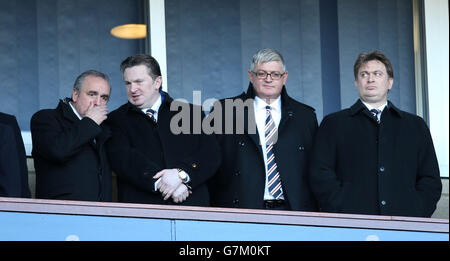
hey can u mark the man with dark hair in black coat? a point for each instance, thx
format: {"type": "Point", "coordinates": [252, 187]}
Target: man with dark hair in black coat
{"type": "Point", "coordinates": [13, 165]}
{"type": "Point", "coordinates": [68, 143]}
{"type": "Point", "coordinates": [155, 163]}
{"type": "Point", "coordinates": [373, 158]}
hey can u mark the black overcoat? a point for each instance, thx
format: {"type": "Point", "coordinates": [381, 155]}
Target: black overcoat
{"type": "Point", "coordinates": [68, 163]}
{"type": "Point", "coordinates": [240, 180]}
{"type": "Point", "coordinates": [140, 148]}
{"type": "Point", "coordinates": [13, 164]}
{"type": "Point", "coordinates": [360, 166]}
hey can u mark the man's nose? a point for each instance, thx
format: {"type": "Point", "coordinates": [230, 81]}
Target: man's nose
{"type": "Point", "coordinates": [133, 87]}
{"type": "Point", "coordinates": [97, 101]}
{"type": "Point", "coordinates": [268, 78]}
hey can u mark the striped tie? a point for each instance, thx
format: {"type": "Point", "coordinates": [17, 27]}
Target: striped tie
{"type": "Point", "coordinates": [273, 176]}
{"type": "Point", "coordinates": [375, 113]}
{"type": "Point", "coordinates": [150, 114]}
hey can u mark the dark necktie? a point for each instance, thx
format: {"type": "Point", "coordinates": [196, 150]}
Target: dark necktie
{"type": "Point", "coordinates": [273, 176]}
{"type": "Point", "coordinates": [375, 113]}
{"type": "Point", "coordinates": [151, 114]}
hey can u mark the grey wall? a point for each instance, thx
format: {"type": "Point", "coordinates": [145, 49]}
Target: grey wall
{"type": "Point", "coordinates": [386, 25]}
{"type": "Point", "coordinates": [210, 44]}
{"type": "Point", "coordinates": [46, 44]}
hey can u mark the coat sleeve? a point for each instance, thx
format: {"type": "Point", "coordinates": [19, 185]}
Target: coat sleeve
{"type": "Point", "coordinates": [21, 154]}
{"type": "Point", "coordinates": [54, 143]}
{"type": "Point", "coordinates": [19, 149]}
{"type": "Point", "coordinates": [204, 162]}
{"type": "Point", "coordinates": [128, 162]}
{"type": "Point", "coordinates": [428, 183]}
{"type": "Point", "coordinates": [10, 178]}
{"type": "Point", "coordinates": [202, 165]}
{"type": "Point", "coordinates": [323, 178]}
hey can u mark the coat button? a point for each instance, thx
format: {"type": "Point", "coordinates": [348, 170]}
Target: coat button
{"type": "Point", "coordinates": [381, 169]}
{"type": "Point", "coordinates": [301, 148]}
{"type": "Point", "coordinates": [236, 201]}
{"type": "Point", "coordinates": [241, 143]}
{"type": "Point", "coordinates": [194, 165]}
{"type": "Point", "coordinates": [237, 173]}
{"type": "Point", "coordinates": [383, 203]}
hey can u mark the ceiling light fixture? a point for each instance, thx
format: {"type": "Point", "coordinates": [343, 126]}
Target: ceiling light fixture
{"type": "Point", "coordinates": [130, 31]}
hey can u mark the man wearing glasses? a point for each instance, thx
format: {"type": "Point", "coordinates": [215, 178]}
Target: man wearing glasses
{"type": "Point", "coordinates": [265, 167]}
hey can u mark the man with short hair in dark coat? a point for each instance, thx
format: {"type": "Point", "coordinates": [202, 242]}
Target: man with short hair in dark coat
{"type": "Point", "coordinates": [68, 143]}
{"type": "Point", "coordinates": [373, 158]}
{"type": "Point", "coordinates": [264, 161]}
{"type": "Point", "coordinates": [154, 162]}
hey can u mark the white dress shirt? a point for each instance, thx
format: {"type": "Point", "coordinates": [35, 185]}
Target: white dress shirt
{"type": "Point", "coordinates": [75, 111]}
{"type": "Point", "coordinates": [260, 117]}
{"type": "Point", "coordinates": [155, 107]}
{"type": "Point", "coordinates": [381, 108]}
{"type": "Point", "coordinates": [79, 117]}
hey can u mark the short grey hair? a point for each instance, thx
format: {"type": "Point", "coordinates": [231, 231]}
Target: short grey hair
{"type": "Point", "coordinates": [267, 55]}
{"type": "Point", "coordinates": [79, 81]}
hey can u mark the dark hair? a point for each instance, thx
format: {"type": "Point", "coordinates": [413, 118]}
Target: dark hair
{"type": "Point", "coordinates": [365, 57]}
{"type": "Point", "coordinates": [79, 81]}
{"type": "Point", "coordinates": [142, 59]}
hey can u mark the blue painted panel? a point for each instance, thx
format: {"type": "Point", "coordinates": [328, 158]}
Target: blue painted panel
{"type": "Point", "coordinates": [227, 231]}
{"type": "Point", "coordinates": [59, 227]}
{"type": "Point", "coordinates": [55, 227]}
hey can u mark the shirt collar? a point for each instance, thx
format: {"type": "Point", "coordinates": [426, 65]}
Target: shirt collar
{"type": "Point", "coordinates": [75, 111]}
{"type": "Point", "coordinates": [359, 106]}
{"type": "Point", "coordinates": [155, 107]}
{"type": "Point", "coordinates": [370, 107]}
{"type": "Point", "coordinates": [261, 104]}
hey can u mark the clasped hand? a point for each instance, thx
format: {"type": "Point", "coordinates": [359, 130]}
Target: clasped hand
{"type": "Point", "coordinates": [171, 185]}
{"type": "Point", "coordinates": [97, 113]}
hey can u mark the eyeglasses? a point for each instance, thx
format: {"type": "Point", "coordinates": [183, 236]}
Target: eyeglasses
{"type": "Point", "coordinates": [273, 75]}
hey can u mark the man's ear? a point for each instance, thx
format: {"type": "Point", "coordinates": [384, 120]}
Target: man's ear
{"type": "Point", "coordinates": [75, 95]}
{"type": "Point", "coordinates": [285, 77]}
{"type": "Point", "coordinates": [250, 76]}
{"type": "Point", "coordinates": [391, 83]}
{"type": "Point", "coordinates": [158, 82]}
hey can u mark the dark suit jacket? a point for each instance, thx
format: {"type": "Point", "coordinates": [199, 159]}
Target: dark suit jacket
{"type": "Point", "coordinates": [140, 148]}
{"type": "Point", "coordinates": [13, 165]}
{"type": "Point", "coordinates": [240, 180]}
{"type": "Point", "coordinates": [68, 164]}
{"type": "Point", "coordinates": [387, 169]}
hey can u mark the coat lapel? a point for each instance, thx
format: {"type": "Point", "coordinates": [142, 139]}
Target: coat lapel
{"type": "Point", "coordinates": [66, 110]}
{"type": "Point", "coordinates": [252, 133]}
{"type": "Point", "coordinates": [286, 111]}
